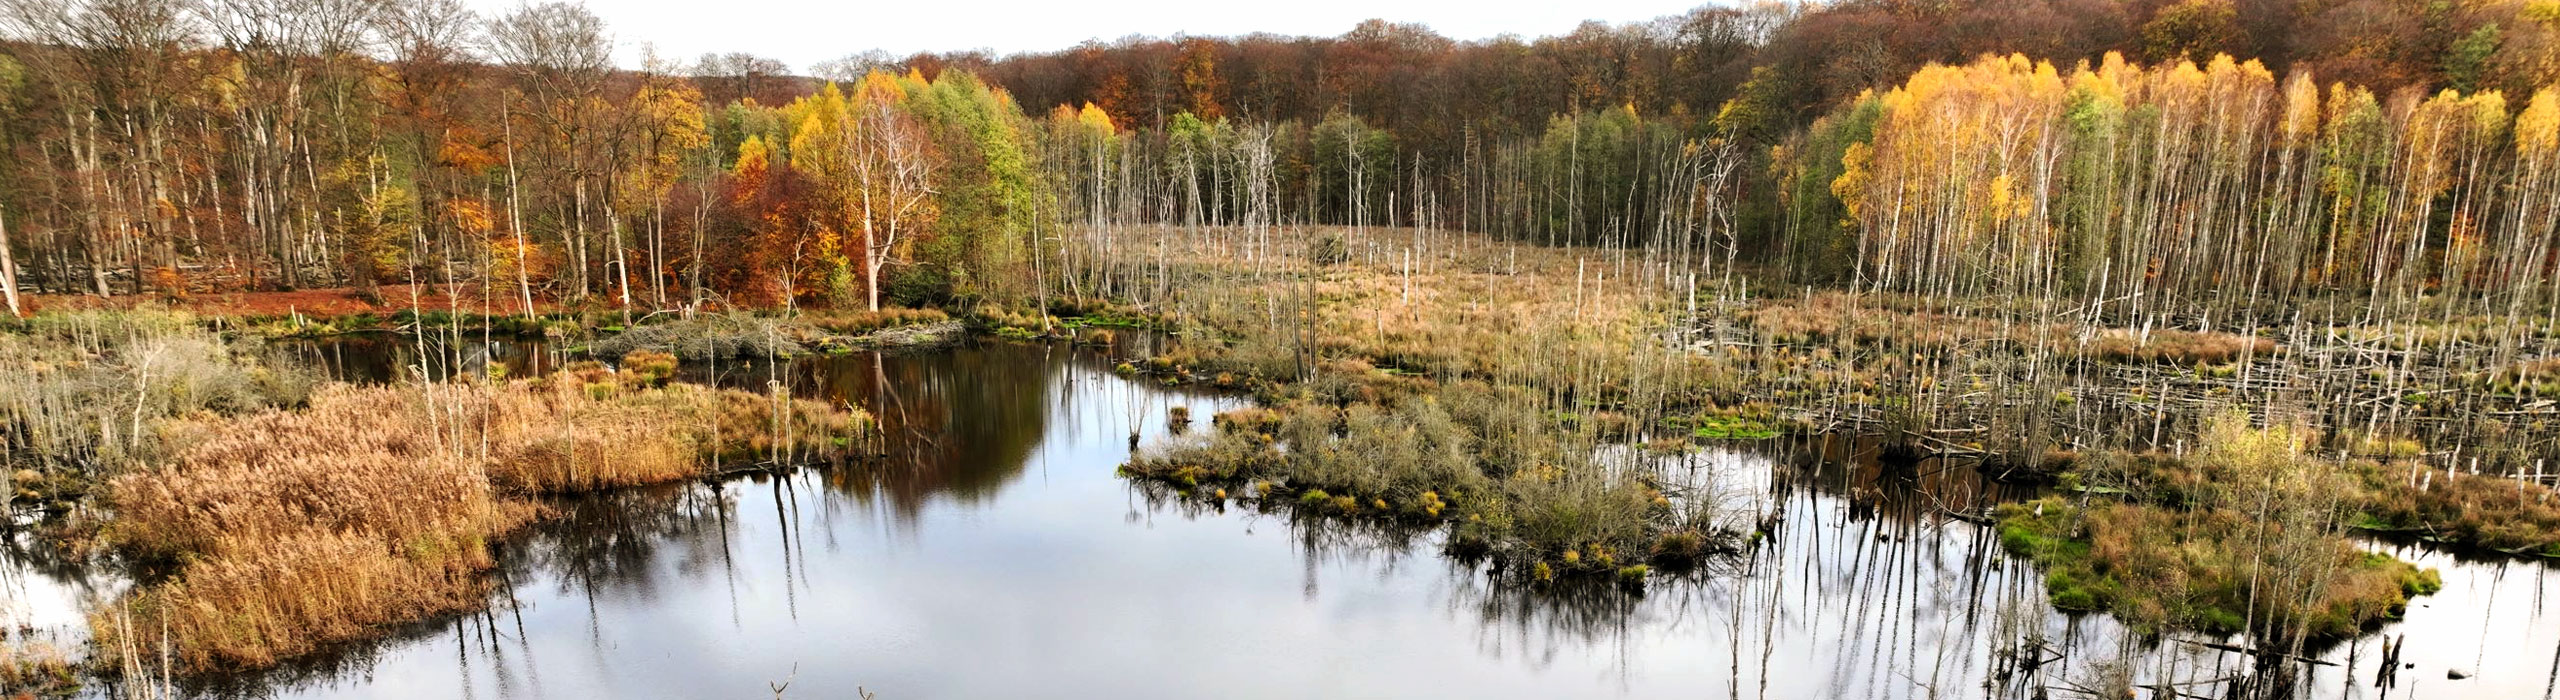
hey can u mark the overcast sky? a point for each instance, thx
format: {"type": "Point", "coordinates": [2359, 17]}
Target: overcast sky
{"type": "Point", "coordinates": [803, 32]}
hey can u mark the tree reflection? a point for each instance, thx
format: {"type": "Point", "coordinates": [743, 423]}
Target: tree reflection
{"type": "Point", "coordinates": [958, 422]}
{"type": "Point", "coordinates": [377, 358]}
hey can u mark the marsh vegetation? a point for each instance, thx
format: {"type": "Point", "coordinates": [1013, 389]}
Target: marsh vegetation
{"type": "Point", "coordinates": [268, 512]}
{"type": "Point", "coordinates": [2190, 334]}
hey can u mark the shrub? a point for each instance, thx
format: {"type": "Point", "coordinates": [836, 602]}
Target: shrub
{"type": "Point", "coordinates": [1678, 549]}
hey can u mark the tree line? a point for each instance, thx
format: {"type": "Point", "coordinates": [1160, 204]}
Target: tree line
{"type": "Point", "coordinates": [171, 146]}
{"type": "Point", "coordinates": [160, 147]}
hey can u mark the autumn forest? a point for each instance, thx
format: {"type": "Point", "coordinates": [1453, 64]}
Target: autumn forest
{"type": "Point", "coordinates": [164, 148]}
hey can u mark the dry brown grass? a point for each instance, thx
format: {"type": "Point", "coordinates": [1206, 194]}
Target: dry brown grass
{"type": "Point", "coordinates": [296, 529]}
{"type": "Point", "coordinates": [1894, 322]}
{"type": "Point", "coordinates": [2489, 512]}
{"type": "Point", "coordinates": [587, 429]}
{"type": "Point", "coordinates": [279, 598]}
{"type": "Point", "coordinates": [359, 459]}
{"type": "Point", "coordinates": [1531, 315]}
{"type": "Point", "coordinates": [2178, 347]}
{"type": "Point", "coordinates": [1580, 322]}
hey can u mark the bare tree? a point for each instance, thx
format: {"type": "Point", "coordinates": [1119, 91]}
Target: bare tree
{"type": "Point", "coordinates": [111, 63]}
{"type": "Point", "coordinates": [417, 33]}
{"type": "Point", "coordinates": [8, 269]}
{"type": "Point", "coordinates": [561, 56]}
{"type": "Point", "coordinates": [727, 77]}
{"type": "Point", "coordinates": [893, 166]}
{"type": "Point", "coordinates": [300, 56]}
{"type": "Point", "coordinates": [850, 68]}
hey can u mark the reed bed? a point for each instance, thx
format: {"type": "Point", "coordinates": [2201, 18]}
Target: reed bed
{"type": "Point", "coordinates": [1913, 326]}
{"type": "Point", "coordinates": [849, 322]}
{"type": "Point", "coordinates": [291, 530]}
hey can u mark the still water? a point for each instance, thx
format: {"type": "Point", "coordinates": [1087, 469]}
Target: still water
{"type": "Point", "coordinates": [993, 553]}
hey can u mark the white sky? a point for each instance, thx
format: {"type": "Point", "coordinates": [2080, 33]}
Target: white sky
{"type": "Point", "coordinates": [803, 32]}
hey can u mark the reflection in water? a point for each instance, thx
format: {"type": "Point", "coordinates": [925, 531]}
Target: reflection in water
{"type": "Point", "coordinates": [960, 423]}
{"type": "Point", "coordinates": [991, 552]}
{"type": "Point", "coordinates": [383, 357]}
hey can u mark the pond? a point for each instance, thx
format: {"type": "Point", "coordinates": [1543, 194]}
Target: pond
{"type": "Point", "coordinates": [993, 552]}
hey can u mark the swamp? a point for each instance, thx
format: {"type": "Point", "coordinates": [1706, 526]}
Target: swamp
{"type": "Point", "coordinates": [1833, 349]}
{"type": "Point", "coordinates": [1001, 517]}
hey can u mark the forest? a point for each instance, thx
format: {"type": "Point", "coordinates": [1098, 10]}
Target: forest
{"type": "Point", "coordinates": [2235, 290]}
{"type": "Point", "coordinates": [169, 148]}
